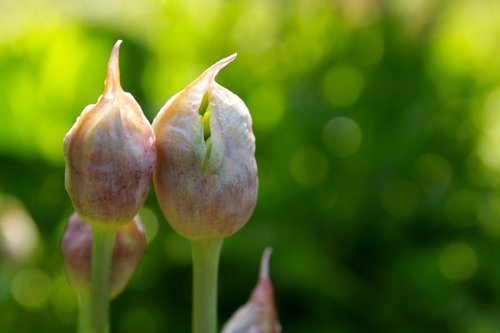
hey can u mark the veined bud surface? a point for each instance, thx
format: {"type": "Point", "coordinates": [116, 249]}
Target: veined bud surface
{"type": "Point", "coordinates": [259, 314]}
{"type": "Point", "coordinates": [76, 250]}
{"type": "Point", "coordinates": [110, 154]}
{"type": "Point", "coordinates": [206, 173]}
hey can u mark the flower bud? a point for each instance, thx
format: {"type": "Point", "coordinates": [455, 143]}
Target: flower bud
{"type": "Point", "coordinates": [76, 249]}
{"type": "Point", "coordinates": [258, 315]}
{"type": "Point", "coordinates": [206, 174]}
{"type": "Point", "coordinates": [110, 153]}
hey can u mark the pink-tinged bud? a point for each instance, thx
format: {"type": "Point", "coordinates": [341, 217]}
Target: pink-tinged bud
{"type": "Point", "coordinates": [76, 249]}
{"type": "Point", "coordinates": [206, 174]}
{"type": "Point", "coordinates": [110, 154]}
{"type": "Point", "coordinates": [259, 314]}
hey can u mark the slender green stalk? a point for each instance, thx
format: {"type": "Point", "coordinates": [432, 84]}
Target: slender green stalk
{"type": "Point", "coordinates": [205, 268]}
{"type": "Point", "coordinates": [84, 315]}
{"type": "Point", "coordinates": [103, 239]}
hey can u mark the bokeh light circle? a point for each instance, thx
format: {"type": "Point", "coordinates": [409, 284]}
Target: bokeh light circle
{"type": "Point", "coordinates": [31, 288]}
{"type": "Point", "coordinates": [309, 166]}
{"type": "Point", "coordinates": [342, 85]}
{"type": "Point", "coordinates": [432, 173]}
{"type": "Point", "coordinates": [342, 136]}
{"type": "Point", "coordinates": [458, 261]}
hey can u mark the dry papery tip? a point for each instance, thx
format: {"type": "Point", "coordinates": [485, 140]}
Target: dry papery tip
{"type": "Point", "coordinates": [112, 83]}
{"type": "Point", "coordinates": [264, 264]}
{"type": "Point", "coordinates": [212, 71]}
{"type": "Point", "coordinates": [226, 60]}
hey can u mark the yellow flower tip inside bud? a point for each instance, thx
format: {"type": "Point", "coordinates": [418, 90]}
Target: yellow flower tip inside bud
{"type": "Point", "coordinates": [112, 84]}
{"type": "Point", "coordinates": [206, 125]}
{"type": "Point", "coordinates": [204, 105]}
{"type": "Point", "coordinates": [204, 112]}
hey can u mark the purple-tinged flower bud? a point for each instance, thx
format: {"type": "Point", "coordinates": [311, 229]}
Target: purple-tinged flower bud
{"type": "Point", "coordinates": [206, 174]}
{"type": "Point", "coordinates": [76, 250]}
{"type": "Point", "coordinates": [110, 154]}
{"type": "Point", "coordinates": [259, 314]}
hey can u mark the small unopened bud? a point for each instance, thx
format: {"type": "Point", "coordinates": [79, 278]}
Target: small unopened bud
{"type": "Point", "coordinates": [110, 154]}
{"type": "Point", "coordinates": [259, 314]}
{"type": "Point", "coordinates": [76, 249]}
{"type": "Point", "coordinates": [206, 174]}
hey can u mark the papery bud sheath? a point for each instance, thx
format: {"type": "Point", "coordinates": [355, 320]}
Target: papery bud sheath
{"type": "Point", "coordinates": [110, 153]}
{"type": "Point", "coordinates": [206, 174]}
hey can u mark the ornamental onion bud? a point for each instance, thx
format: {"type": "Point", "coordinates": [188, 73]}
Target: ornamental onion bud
{"type": "Point", "coordinates": [258, 315]}
{"type": "Point", "coordinates": [110, 154]}
{"type": "Point", "coordinates": [76, 249]}
{"type": "Point", "coordinates": [206, 174]}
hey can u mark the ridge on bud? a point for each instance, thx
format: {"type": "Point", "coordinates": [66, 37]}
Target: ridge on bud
{"type": "Point", "coordinates": [206, 174]}
{"type": "Point", "coordinates": [76, 250]}
{"type": "Point", "coordinates": [259, 314]}
{"type": "Point", "coordinates": [110, 154]}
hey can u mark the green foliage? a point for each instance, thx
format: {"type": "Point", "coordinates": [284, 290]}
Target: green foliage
{"type": "Point", "coordinates": [377, 126]}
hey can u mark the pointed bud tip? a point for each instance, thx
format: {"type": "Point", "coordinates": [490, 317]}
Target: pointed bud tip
{"type": "Point", "coordinates": [259, 314]}
{"type": "Point", "coordinates": [213, 70]}
{"type": "Point", "coordinates": [112, 83]}
{"type": "Point", "coordinates": [226, 60]}
{"type": "Point", "coordinates": [264, 263]}
{"type": "Point", "coordinates": [263, 292]}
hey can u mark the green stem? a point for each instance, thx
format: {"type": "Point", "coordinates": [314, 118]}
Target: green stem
{"type": "Point", "coordinates": [84, 315]}
{"type": "Point", "coordinates": [205, 267]}
{"type": "Point", "coordinates": [103, 239]}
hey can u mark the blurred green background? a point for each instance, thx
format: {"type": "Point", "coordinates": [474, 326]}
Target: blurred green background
{"type": "Point", "coordinates": [378, 138]}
